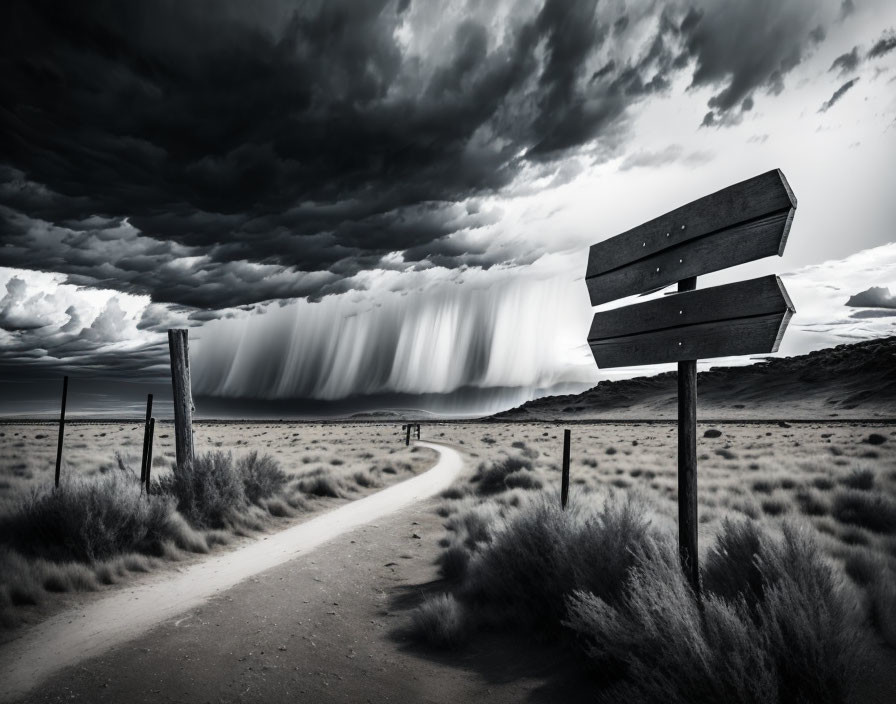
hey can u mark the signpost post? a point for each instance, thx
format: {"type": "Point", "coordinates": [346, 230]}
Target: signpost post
{"type": "Point", "coordinates": [744, 222]}
{"type": "Point", "coordinates": [564, 481]}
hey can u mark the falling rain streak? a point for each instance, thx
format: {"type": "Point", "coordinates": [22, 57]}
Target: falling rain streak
{"type": "Point", "coordinates": [518, 334]}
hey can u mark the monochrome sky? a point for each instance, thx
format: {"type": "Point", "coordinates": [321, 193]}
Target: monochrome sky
{"type": "Point", "coordinates": [350, 198]}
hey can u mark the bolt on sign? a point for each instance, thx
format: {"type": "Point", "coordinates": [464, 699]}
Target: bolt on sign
{"type": "Point", "coordinates": [744, 222]}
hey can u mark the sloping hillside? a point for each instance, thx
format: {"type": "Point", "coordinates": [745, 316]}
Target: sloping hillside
{"type": "Point", "coordinates": [847, 381]}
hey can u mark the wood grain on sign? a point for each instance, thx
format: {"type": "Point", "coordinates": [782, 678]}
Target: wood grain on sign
{"type": "Point", "coordinates": [747, 317]}
{"type": "Point", "coordinates": [744, 222]}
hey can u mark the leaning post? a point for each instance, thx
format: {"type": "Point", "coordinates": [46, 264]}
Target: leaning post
{"type": "Point", "coordinates": [178, 346]}
{"type": "Point", "coordinates": [145, 437]}
{"type": "Point", "coordinates": [564, 483]}
{"type": "Point", "coordinates": [151, 432]}
{"type": "Point", "coordinates": [61, 430]}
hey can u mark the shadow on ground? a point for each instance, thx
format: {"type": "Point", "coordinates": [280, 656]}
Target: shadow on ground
{"type": "Point", "coordinates": [501, 658]}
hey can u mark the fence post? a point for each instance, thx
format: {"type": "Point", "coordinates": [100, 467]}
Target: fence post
{"type": "Point", "coordinates": [418, 431]}
{"type": "Point", "coordinates": [151, 432]}
{"type": "Point", "coordinates": [178, 346]}
{"type": "Point", "coordinates": [687, 461]}
{"type": "Point", "coordinates": [145, 437]}
{"type": "Point", "coordinates": [407, 440]}
{"type": "Point", "coordinates": [564, 484]}
{"type": "Point", "coordinates": [61, 429]}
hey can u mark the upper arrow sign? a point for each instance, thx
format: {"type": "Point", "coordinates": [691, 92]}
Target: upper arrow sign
{"type": "Point", "coordinates": [738, 224]}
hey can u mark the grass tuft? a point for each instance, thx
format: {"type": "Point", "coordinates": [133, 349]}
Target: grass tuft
{"type": "Point", "coordinates": [862, 479]}
{"type": "Point", "coordinates": [321, 485]}
{"type": "Point", "coordinates": [493, 479]}
{"type": "Point", "coordinates": [262, 477]}
{"type": "Point", "coordinates": [453, 562]}
{"type": "Point", "coordinates": [439, 621]}
{"type": "Point", "coordinates": [867, 509]}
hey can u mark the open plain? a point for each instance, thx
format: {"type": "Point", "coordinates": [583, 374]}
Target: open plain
{"type": "Point", "coordinates": [837, 480]}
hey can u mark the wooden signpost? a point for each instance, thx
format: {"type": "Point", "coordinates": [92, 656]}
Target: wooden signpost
{"type": "Point", "coordinates": [744, 222]}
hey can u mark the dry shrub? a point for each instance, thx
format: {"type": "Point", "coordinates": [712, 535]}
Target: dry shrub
{"type": "Point", "coordinates": [493, 479]}
{"type": "Point", "coordinates": [216, 492]}
{"type": "Point", "coordinates": [474, 523]}
{"type": "Point", "coordinates": [775, 507]}
{"type": "Point", "coordinates": [867, 509]}
{"type": "Point", "coordinates": [262, 476]}
{"type": "Point", "coordinates": [209, 491]}
{"type": "Point", "coordinates": [882, 606]}
{"type": "Point", "coordinates": [522, 480]}
{"type": "Point", "coordinates": [776, 627]}
{"type": "Point", "coordinates": [453, 562]}
{"type": "Point", "coordinates": [277, 507]}
{"type": "Point", "coordinates": [774, 624]}
{"type": "Point", "coordinates": [454, 492]}
{"type": "Point", "coordinates": [543, 553]}
{"type": "Point", "coordinates": [439, 621]}
{"type": "Point", "coordinates": [862, 479]}
{"type": "Point", "coordinates": [365, 480]}
{"type": "Point", "coordinates": [88, 519]}
{"type": "Point", "coordinates": [811, 503]}
{"type": "Point", "coordinates": [321, 485]}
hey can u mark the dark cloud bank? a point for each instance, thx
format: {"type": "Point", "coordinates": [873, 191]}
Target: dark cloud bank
{"type": "Point", "coordinates": [265, 138]}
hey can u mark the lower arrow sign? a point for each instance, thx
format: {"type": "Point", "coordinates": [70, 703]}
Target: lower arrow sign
{"type": "Point", "coordinates": [747, 317]}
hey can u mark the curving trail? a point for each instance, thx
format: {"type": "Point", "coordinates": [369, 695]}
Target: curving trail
{"type": "Point", "coordinates": [84, 632]}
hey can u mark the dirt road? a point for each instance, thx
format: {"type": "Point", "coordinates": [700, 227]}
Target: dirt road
{"type": "Point", "coordinates": [177, 602]}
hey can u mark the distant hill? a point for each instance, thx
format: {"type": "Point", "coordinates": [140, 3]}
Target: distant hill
{"type": "Point", "coordinates": [847, 381]}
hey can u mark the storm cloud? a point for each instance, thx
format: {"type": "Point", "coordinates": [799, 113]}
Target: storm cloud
{"type": "Point", "coordinates": [213, 154]}
{"type": "Point", "coordinates": [280, 169]}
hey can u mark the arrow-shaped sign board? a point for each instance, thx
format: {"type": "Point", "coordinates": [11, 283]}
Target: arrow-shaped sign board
{"type": "Point", "coordinates": [747, 221]}
{"type": "Point", "coordinates": [748, 317]}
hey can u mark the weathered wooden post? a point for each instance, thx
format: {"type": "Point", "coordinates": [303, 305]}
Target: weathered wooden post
{"type": "Point", "coordinates": [151, 433]}
{"type": "Point", "coordinates": [183, 397]}
{"type": "Point", "coordinates": [145, 437]}
{"type": "Point", "coordinates": [744, 222]}
{"type": "Point", "coordinates": [564, 482]}
{"type": "Point", "coordinates": [61, 430]}
{"type": "Point", "coordinates": [687, 461]}
{"type": "Point", "coordinates": [407, 440]}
